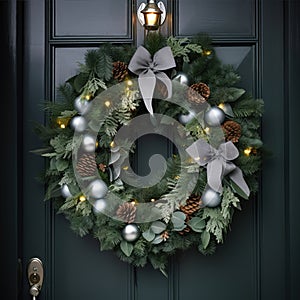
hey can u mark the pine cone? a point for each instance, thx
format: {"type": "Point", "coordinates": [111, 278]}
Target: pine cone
{"type": "Point", "coordinates": [193, 204]}
{"type": "Point", "coordinates": [86, 165]}
{"type": "Point", "coordinates": [198, 93]}
{"type": "Point", "coordinates": [120, 70]}
{"type": "Point", "coordinates": [126, 212]}
{"type": "Point", "coordinates": [232, 131]}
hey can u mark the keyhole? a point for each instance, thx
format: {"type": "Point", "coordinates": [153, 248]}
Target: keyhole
{"type": "Point", "coordinates": [34, 278]}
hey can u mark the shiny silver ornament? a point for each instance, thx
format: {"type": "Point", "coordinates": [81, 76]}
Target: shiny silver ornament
{"type": "Point", "coordinates": [65, 192]}
{"type": "Point", "coordinates": [89, 143]}
{"type": "Point", "coordinates": [97, 189]}
{"type": "Point", "coordinates": [79, 123]}
{"type": "Point", "coordinates": [82, 105]}
{"type": "Point", "coordinates": [215, 116]}
{"type": "Point", "coordinates": [181, 78]}
{"type": "Point", "coordinates": [130, 232]}
{"type": "Point", "coordinates": [99, 206]}
{"type": "Point", "coordinates": [184, 119]}
{"type": "Point", "coordinates": [210, 198]}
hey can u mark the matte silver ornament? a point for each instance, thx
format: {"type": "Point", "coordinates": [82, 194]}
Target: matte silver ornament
{"type": "Point", "coordinates": [215, 116]}
{"type": "Point", "coordinates": [184, 119]}
{"type": "Point", "coordinates": [181, 78]}
{"type": "Point", "coordinates": [99, 206]}
{"type": "Point", "coordinates": [82, 105]}
{"type": "Point", "coordinates": [89, 143]}
{"type": "Point", "coordinates": [97, 189]}
{"type": "Point", "coordinates": [130, 232]}
{"type": "Point", "coordinates": [78, 123]}
{"type": "Point", "coordinates": [65, 192]}
{"type": "Point", "coordinates": [210, 198]}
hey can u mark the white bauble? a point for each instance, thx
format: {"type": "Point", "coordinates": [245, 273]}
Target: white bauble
{"type": "Point", "coordinates": [97, 189]}
{"type": "Point", "coordinates": [181, 78]}
{"type": "Point", "coordinates": [82, 105]}
{"type": "Point", "coordinates": [78, 123]}
{"type": "Point", "coordinates": [184, 119]}
{"type": "Point", "coordinates": [65, 192]}
{"type": "Point", "coordinates": [130, 232]}
{"type": "Point", "coordinates": [215, 116]}
{"type": "Point", "coordinates": [99, 205]}
{"type": "Point", "coordinates": [89, 143]}
{"type": "Point", "coordinates": [210, 198]}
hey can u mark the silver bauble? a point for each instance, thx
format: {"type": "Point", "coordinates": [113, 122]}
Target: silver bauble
{"type": "Point", "coordinates": [99, 205]}
{"type": "Point", "coordinates": [184, 119]}
{"type": "Point", "coordinates": [215, 116]}
{"type": "Point", "coordinates": [181, 78]}
{"type": "Point", "coordinates": [78, 123]}
{"type": "Point", "coordinates": [97, 189]}
{"type": "Point", "coordinates": [130, 232]}
{"type": "Point", "coordinates": [65, 192]}
{"type": "Point", "coordinates": [89, 143]}
{"type": "Point", "coordinates": [82, 105]}
{"type": "Point", "coordinates": [210, 198]}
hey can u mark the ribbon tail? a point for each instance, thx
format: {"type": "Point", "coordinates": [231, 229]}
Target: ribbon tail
{"type": "Point", "coordinates": [147, 85]}
{"type": "Point", "coordinates": [214, 175]}
{"type": "Point", "coordinates": [237, 177]}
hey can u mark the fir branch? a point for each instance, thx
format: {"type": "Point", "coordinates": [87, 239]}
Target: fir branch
{"type": "Point", "coordinates": [182, 48]}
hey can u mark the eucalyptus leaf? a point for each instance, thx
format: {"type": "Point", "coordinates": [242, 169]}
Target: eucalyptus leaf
{"type": "Point", "coordinates": [158, 227]}
{"type": "Point", "coordinates": [234, 94]}
{"type": "Point", "coordinates": [179, 228]}
{"type": "Point", "coordinates": [126, 248]}
{"type": "Point", "coordinates": [157, 240]}
{"type": "Point", "coordinates": [61, 164]}
{"type": "Point", "coordinates": [238, 190]}
{"type": "Point", "coordinates": [148, 235]}
{"type": "Point", "coordinates": [197, 224]}
{"type": "Point", "coordinates": [205, 238]}
{"type": "Point", "coordinates": [178, 219]}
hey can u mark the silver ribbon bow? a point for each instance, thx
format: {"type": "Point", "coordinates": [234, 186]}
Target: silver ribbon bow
{"type": "Point", "coordinates": [218, 163]}
{"type": "Point", "coordinates": [149, 70]}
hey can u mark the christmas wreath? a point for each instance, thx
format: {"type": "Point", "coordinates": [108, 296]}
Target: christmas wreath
{"type": "Point", "coordinates": [174, 87]}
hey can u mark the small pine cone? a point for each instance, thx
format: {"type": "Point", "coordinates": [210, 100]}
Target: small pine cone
{"type": "Point", "coordinates": [120, 70]}
{"type": "Point", "coordinates": [198, 93]}
{"type": "Point", "coordinates": [232, 131]}
{"type": "Point", "coordinates": [165, 235]}
{"type": "Point", "coordinates": [193, 204]}
{"type": "Point", "coordinates": [126, 212]}
{"type": "Point", "coordinates": [86, 165]}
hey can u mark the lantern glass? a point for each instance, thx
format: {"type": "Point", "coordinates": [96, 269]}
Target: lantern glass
{"type": "Point", "coordinates": [152, 16]}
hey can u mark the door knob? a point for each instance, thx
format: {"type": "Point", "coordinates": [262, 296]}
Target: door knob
{"type": "Point", "coordinates": [35, 274]}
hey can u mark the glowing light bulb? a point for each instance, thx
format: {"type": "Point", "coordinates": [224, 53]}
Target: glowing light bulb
{"type": "Point", "coordinates": [107, 103]}
{"type": "Point", "coordinates": [82, 198]}
{"type": "Point", "coordinates": [248, 151]}
{"type": "Point", "coordinates": [129, 82]}
{"type": "Point", "coordinates": [112, 144]}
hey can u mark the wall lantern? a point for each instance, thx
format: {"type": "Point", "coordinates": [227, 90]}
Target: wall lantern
{"type": "Point", "coordinates": [151, 15]}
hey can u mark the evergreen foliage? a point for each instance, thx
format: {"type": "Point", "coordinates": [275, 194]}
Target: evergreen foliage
{"type": "Point", "coordinates": [208, 226]}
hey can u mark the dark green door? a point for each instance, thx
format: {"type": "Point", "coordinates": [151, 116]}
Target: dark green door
{"type": "Point", "coordinates": [256, 260]}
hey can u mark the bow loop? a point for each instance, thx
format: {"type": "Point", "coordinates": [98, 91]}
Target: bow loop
{"type": "Point", "coordinates": [218, 163]}
{"type": "Point", "coordinates": [149, 70]}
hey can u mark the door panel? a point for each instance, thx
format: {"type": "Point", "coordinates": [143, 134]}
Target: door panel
{"type": "Point", "coordinates": [91, 18]}
{"type": "Point", "coordinates": [230, 18]}
{"type": "Point", "coordinates": [75, 268]}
